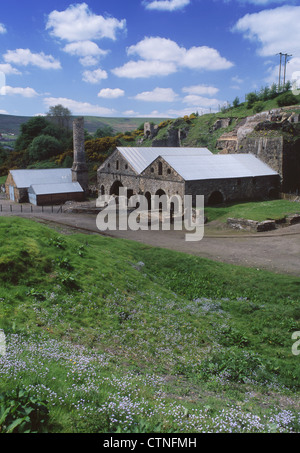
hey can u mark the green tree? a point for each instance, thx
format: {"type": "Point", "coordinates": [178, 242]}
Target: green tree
{"type": "Point", "coordinates": [28, 131]}
{"type": "Point", "coordinates": [105, 131]}
{"type": "Point", "coordinates": [251, 99]}
{"type": "Point", "coordinates": [273, 91]}
{"type": "Point", "coordinates": [43, 147]}
{"type": "Point", "coordinates": [60, 115]}
{"type": "Point", "coordinates": [264, 94]}
{"type": "Point", "coordinates": [236, 102]}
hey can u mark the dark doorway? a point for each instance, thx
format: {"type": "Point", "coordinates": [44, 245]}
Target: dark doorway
{"type": "Point", "coordinates": [215, 198]}
{"type": "Point", "coordinates": [115, 188]}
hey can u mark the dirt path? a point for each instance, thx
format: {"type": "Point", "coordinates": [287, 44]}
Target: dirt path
{"type": "Point", "coordinates": [277, 251]}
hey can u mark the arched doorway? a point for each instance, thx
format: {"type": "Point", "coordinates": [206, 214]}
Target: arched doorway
{"type": "Point", "coordinates": [215, 197]}
{"type": "Point", "coordinates": [160, 193]}
{"type": "Point", "coordinates": [102, 190]}
{"type": "Point", "coordinates": [115, 188]}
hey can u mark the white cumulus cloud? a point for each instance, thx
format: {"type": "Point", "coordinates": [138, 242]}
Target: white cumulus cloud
{"type": "Point", "coordinates": [25, 92]}
{"type": "Point", "coordinates": [94, 76]}
{"type": "Point", "coordinates": [166, 5]}
{"type": "Point", "coordinates": [162, 56]}
{"type": "Point", "coordinates": [25, 57]}
{"type": "Point", "coordinates": [200, 90]}
{"type": "Point", "coordinates": [274, 30]}
{"type": "Point", "coordinates": [145, 69]}
{"type": "Point", "coordinates": [110, 93]}
{"type": "Point", "coordinates": [195, 100]}
{"type": "Point", "coordinates": [157, 95]}
{"type": "Point", "coordinates": [8, 69]}
{"type": "Point", "coordinates": [79, 108]}
{"type": "Point", "coordinates": [84, 49]}
{"type": "Point", "coordinates": [79, 23]}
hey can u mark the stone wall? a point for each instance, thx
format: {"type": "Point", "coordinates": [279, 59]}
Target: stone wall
{"type": "Point", "coordinates": [233, 189]}
{"type": "Point", "coordinates": [280, 152]}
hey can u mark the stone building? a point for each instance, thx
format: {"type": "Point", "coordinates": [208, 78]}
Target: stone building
{"type": "Point", "coordinates": [187, 171]}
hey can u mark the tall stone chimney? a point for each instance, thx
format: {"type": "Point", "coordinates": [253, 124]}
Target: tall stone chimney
{"type": "Point", "coordinates": [79, 169]}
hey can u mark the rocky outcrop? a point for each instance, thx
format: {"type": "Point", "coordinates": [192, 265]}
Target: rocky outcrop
{"type": "Point", "coordinates": [251, 225]}
{"type": "Point", "coordinates": [150, 130]}
{"type": "Point", "coordinates": [276, 119]}
{"type": "Point", "coordinates": [221, 123]}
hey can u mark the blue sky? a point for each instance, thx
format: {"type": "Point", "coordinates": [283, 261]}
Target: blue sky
{"type": "Point", "coordinates": [159, 58]}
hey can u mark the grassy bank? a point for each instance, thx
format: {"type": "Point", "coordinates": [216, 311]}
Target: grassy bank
{"type": "Point", "coordinates": [114, 336]}
{"type": "Point", "coordinates": [257, 210]}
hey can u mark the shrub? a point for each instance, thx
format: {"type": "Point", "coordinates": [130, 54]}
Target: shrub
{"type": "Point", "coordinates": [258, 107]}
{"type": "Point", "coordinates": [286, 99]}
{"type": "Point", "coordinates": [43, 147]}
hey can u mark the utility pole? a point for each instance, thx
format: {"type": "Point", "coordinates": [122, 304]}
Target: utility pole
{"type": "Point", "coordinates": [286, 56]}
{"type": "Point", "coordinates": [279, 79]}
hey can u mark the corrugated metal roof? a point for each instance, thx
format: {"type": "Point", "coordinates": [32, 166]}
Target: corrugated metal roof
{"type": "Point", "coordinates": [25, 178]}
{"type": "Point", "coordinates": [141, 157]}
{"type": "Point", "coordinates": [50, 189]}
{"type": "Point", "coordinates": [219, 166]}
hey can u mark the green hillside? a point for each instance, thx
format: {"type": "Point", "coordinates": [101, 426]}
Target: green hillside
{"type": "Point", "coordinates": [108, 335]}
{"type": "Point", "coordinates": [10, 124]}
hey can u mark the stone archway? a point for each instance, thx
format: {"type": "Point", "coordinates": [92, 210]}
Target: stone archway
{"type": "Point", "coordinates": [115, 188]}
{"type": "Point", "coordinates": [160, 193]}
{"type": "Point", "coordinates": [215, 197]}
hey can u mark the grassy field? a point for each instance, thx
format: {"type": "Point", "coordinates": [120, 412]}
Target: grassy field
{"type": "Point", "coordinates": [108, 335]}
{"type": "Point", "coordinates": [256, 210]}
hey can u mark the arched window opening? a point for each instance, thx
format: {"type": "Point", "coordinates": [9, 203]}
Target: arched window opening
{"type": "Point", "coordinates": [160, 168]}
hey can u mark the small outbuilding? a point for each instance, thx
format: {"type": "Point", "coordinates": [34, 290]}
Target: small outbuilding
{"type": "Point", "coordinates": [41, 187]}
{"type": "Point", "coordinates": [50, 194]}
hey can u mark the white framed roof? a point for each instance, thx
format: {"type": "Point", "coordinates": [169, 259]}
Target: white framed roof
{"type": "Point", "coordinates": [219, 166]}
{"type": "Point", "coordinates": [25, 178]}
{"type": "Point", "coordinates": [141, 157]}
{"type": "Point", "coordinates": [51, 189]}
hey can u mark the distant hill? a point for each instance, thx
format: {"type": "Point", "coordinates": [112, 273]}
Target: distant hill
{"type": "Point", "coordinates": [10, 124]}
